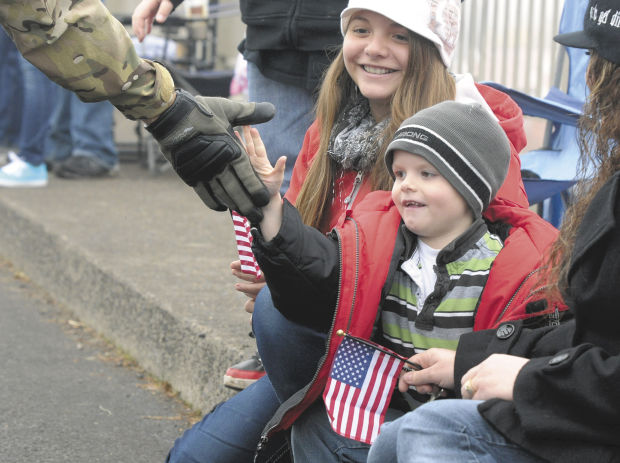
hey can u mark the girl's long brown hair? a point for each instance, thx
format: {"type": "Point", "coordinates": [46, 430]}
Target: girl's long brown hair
{"type": "Point", "coordinates": [599, 142]}
{"type": "Point", "coordinates": [426, 82]}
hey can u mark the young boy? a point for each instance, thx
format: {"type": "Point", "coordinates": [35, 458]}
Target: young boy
{"type": "Point", "coordinates": [447, 162]}
{"type": "Point", "coordinates": [406, 270]}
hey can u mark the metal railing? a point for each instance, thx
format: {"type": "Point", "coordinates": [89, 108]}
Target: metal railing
{"type": "Point", "coordinates": [510, 42]}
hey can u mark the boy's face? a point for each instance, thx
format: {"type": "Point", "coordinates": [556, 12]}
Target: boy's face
{"type": "Point", "coordinates": [429, 205]}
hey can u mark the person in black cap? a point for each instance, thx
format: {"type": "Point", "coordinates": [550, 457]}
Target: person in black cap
{"type": "Point", "coordinates": [548, 394]}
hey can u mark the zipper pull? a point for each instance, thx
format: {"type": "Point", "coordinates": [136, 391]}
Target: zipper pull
{"type": "Point", "coordinates": [348, 201]}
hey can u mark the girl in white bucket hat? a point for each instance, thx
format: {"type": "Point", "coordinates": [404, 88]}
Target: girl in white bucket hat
{"type": "Point", "coordinates": [393, 63]}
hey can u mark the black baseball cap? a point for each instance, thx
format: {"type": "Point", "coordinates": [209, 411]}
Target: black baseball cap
{"type": "Point", "coordinates": [601, 30]}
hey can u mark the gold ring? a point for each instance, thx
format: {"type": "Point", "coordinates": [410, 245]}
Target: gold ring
{"type": "Point", "coordinates": [469, 387]}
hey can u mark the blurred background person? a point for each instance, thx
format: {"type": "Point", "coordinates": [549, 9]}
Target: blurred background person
{"type": "Point", "coordinates": [80, 143]}
{"type": "Point", "coordinates": [10, 96]}
{"type": "Point", "coordinates": [26, 167]}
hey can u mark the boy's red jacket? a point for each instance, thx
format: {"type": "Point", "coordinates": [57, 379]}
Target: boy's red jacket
{"type": "Point", "coordinates": [367, 236]}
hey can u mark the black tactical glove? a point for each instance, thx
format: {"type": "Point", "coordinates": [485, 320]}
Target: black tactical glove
{"type": "Point", "coordinates": [196, 136]}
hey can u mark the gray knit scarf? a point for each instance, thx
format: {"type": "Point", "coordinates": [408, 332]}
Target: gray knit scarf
{"type": "Point", "coordinates": [356, 137]}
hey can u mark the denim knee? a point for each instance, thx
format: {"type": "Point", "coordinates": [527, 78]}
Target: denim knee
{"type": "Point", "coordinates": [263, 315]}
{"type": "Point", "coordinates": [290, 352]}
{"type": "Point", "coordinates": [383, 449]}
{"type": "Point", "coordinates": [451, 430]}
{"type": "Point", "coordinates": [231, 432]}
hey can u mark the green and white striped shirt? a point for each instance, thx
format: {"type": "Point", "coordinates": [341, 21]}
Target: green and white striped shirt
{"type": "Point", "coordinates": [453, 302]}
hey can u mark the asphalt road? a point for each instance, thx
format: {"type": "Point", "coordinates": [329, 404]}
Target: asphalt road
{"type": "Point", "coordinates": [66, 395]}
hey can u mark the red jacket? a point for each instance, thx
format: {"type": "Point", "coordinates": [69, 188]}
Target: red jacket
{"type": "Point", "coordinates": [367, 236]}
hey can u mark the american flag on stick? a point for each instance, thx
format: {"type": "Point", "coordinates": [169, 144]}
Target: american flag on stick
{"type": "Point", "coordinates": [359, 388]}
{"type": "Point", "coordinates": [244, 245]}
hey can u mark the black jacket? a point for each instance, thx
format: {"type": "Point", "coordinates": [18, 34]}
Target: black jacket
{"type": "Point", "coordinates": [566, 404]}
{"type": "Point", "coordinates": [290, 40]}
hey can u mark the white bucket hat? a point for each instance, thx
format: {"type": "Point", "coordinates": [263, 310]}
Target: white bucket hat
{"type": "Point", "coordinates": [436, 20]}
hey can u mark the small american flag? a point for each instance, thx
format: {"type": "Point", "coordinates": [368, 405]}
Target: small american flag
{"type": "Point", "coordinates": [244, 245]}
{"type": "Point", "coordinates": [359, 389]}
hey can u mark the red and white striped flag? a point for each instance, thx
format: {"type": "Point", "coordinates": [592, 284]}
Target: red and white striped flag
{"type": "Point", "coordinates": [244, 245]}
{"type": "Point", "coordinates": [359, 388]}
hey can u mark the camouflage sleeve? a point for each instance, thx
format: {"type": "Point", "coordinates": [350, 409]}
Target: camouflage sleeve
{"type": "Point", "coordinates": [82, 47]}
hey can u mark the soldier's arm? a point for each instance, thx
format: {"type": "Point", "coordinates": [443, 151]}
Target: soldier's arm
{"type": "Point", "coordinates": [82, 47]}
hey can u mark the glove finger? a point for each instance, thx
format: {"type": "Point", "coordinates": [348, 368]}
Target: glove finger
{"type": "Point", "coordinates": [221, 192]}
{"type": "Point", "coordinates": [243, 207]}
{"type": "Point", "coordinates": [247, 176]}
{"type": "Point", "coordinates": [254, 215]}
{"type": "Point", "coordinates": [235, 189]}
{"type": "Point", "coordinates": [207, 197]}
{"type": "Point", "coordinates": [202, 157]}
{"type": "Point", "coordinates": [236, 112]}
{"type": "Point", "coordinates": [263, 112]}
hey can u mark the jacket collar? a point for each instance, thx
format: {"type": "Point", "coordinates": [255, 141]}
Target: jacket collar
{"type": "Point", "coordinates": [455, 249]}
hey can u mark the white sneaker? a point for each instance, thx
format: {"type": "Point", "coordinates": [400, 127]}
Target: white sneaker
{"type": "Point", "coordinates": [18, 173]}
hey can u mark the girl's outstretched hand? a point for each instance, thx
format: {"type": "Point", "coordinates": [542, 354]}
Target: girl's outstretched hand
{"type": "Point", "coordinates": [272, 177]}
{"type": "Point", "coordinates": [249, 284]}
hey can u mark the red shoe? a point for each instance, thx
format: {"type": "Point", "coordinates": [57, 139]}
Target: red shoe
{"type": "Point", "coordinates": [244, 373]}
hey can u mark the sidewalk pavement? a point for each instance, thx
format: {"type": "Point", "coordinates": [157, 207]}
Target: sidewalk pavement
{"type": "Point", "coordinates": [143, 261]}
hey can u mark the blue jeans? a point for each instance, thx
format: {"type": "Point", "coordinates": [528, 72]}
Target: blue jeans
{"type": "Point", "coordinates": [38, 102]}
{"type": "Point", "coordinates": [10, 91]}
{"type": "Point", "coordinates": [78, 128]}
{"type": "Point", "coordinates": [313, 439]}
{"type": "Point", "coordinates": [445, 431]}
{"type": "Point", "coordinates": [230, 433]}
{"type": "Point", "coordinates": [290, 352]}
{"type": "Point", "coordinates": [284, 134]}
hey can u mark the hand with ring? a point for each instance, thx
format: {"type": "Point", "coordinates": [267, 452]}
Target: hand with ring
{"type": "Point", "coordinates": [467, 390]}
{"type": "Point", "coordinates": [493, 378]}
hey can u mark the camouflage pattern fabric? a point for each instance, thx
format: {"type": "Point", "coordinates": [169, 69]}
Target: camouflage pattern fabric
{"type": "Point", "coordinates": [82, 47]}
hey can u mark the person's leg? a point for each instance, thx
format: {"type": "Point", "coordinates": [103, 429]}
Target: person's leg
{"type": "Point", "coordinates": [27, 169]}
{"type": "Point", "coordinates": [383, 449]}
{"type": "Point", "coordinates": [38, 103]}
{"type": "Point", "coordinates": [231, 432]}
{"type": "Point", "coordinates": [58, 144]}
{"type": "Point", "coordinates": [92, 130]}
{"type": "Point", "coordinates": [444, 430]}
{"type": "Point", "coordinates": [10, 91]}
{"type": "Point", "coordinates": [313, 440]}
{"type": "Point", "coordinates": [284, 134]}
{"type": "Point", "coordinates": [290, 352]}
{"type": "Point", "coordinates": [92, 137]}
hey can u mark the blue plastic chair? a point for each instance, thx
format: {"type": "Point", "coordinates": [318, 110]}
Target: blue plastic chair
{"type": "Point", "coordinates": [555, 164]}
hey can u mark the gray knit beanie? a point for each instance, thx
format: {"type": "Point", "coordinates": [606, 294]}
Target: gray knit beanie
{"type": "Point", "coordinates": [464, 143]}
